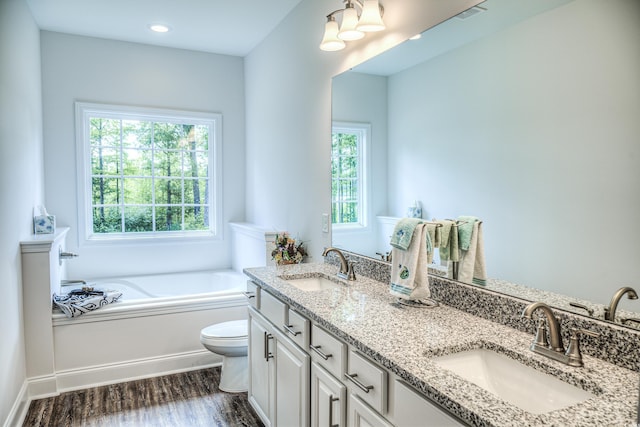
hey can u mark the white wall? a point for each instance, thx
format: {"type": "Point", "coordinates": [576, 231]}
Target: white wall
{"type": "Point", "coordinates": [288, 96]}
{"type": "Point", "coordinates": [362, 98]}
{"type": "Point", "coordinates": [79, 68]}
{"type": "Point", "coordinates": [21, 182]}
{"type": "Point", "coordinates": [529, 127]}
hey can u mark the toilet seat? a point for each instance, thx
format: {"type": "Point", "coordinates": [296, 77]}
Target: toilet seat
{"type": "Point", "coordinates": [226, 334]}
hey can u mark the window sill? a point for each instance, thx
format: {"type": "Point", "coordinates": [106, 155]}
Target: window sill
{"type": "Point", "coordinates": [149, 238]}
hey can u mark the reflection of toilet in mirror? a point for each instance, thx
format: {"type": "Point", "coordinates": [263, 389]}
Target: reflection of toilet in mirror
{"type": "Point", "coordinates": [229, 339]}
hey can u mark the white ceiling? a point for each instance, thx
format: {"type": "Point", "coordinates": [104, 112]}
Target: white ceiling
{"type": "Point", "coordinates": [232, 27]}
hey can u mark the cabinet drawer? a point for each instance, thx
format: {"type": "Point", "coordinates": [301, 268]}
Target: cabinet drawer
{"type": "Point", "coordinates": [298, 329]}
{"type": "Point", "coordinates": [328, 351]}
{"type": "Point", "coordinates": [253, 294]}
{"type": "Point", "coordinates": [273, 309]}
{"type": "Point", "coordinates": [368, 381]}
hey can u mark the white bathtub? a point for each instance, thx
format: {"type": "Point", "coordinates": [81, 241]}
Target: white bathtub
{"type": "Point", "coordinates": [153, 329]}
{"type": "Point", "coordinates": [170, 285]}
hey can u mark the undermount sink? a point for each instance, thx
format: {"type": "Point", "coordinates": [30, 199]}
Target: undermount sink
{"type": "Point", "coordinates": [512, 381]}
{"type": "Point", "coordinates": [310, 284]}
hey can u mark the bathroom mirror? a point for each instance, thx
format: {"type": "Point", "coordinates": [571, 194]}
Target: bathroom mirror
{"type": "Point", "coordinates": [525, 115]}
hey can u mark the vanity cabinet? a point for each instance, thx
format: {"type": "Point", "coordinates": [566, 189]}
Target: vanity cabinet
{"type": "Point", "coordinates": [279, 370]}
{"type": "Point", "coordinates": [301, 375]}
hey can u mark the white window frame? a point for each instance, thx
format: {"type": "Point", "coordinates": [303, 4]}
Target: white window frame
{"type": "Point", "coordinates": [364, 181]}
{"type": "Point", "coordinates": [85, 110]}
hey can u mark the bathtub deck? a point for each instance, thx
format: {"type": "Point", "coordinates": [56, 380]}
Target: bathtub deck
{"type": "Point", "coordinates": [185, 399]}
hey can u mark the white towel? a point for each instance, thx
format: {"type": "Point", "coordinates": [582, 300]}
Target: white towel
{"type": "Point", "coordinates": [409, 269]}
{"type": "Point", "coordinates": [472, 264]}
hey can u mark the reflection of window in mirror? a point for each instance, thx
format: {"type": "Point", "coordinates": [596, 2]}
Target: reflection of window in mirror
{"type": "Point", "coordinates": [349, 174]}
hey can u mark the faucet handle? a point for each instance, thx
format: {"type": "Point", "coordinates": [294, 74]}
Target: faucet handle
{"type": "Point", "coordinates": [351, 274]}
{"type": "Point", "coordinates": [573, 350]}
{"type": "Point", "coordinates": [541, 334]}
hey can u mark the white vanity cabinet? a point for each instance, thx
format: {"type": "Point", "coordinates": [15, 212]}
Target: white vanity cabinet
{"type": "Point", "coordinates": [279, 370]}
{"type": "Point", "coordinates": [300, 374]}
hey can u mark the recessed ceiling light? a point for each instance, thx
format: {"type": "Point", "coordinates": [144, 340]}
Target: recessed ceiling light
{"type": "Point", "coordinates": [416, 37]}
{"type": "Point", "coordinates": [159, 28]}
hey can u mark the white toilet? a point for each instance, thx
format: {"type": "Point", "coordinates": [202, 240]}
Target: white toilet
{"type": "Point", "coordinates": [229, 339]}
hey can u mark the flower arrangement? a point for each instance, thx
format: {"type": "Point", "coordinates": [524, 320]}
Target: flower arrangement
{"type": "Point", "coordinates": [286, 251]}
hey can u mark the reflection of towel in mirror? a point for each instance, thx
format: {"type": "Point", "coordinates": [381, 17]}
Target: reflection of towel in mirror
{"type": "Point", "coordinates": [448, 241]}
{"type": "Point", "coordinates": [409, 269]}
{"type": "Point", "coordinates": [77, 303]}
{"type": "Point", "coordinates": [472, 263]}
{"type": "Point", "coordinates": [403, 232]}
{"type": "Point", "coordinates": [465, 229]}
{"type": "Point", "coordinates": [433, 240]}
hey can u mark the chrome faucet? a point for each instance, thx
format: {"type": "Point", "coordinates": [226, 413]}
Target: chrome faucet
{"type": "Point", "coordinates": [346, 268]}
{"type": "Point", "coordinates": [610, 312]}
{"type": "Point", "coordinates": [553, 348]}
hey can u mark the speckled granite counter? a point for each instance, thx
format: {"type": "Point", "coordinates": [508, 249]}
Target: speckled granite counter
{"type": "Point", "coordinates": [364, 314]}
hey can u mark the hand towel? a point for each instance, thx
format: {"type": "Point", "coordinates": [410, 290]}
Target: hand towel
{"type": "Point", "coordinates": [433, 240]}
{"type": "Point", "coordinates": [77, 302]}
{"type": "Point", "coordinates": [472, 262]}
{"type": "Point", "coordinates": [448, 241]}
{"type": "Point", "coordinates": [403, 233]}
{"type": "Point", "coordinates": [465, 228]}
{"type": "Point", "coordinates": [409, 269]}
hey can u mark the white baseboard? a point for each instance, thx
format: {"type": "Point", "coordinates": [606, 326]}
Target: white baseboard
{"type": "Point", "coordinates": [19, 408]}
{"type": "Point", "coordinates": [94, 376]}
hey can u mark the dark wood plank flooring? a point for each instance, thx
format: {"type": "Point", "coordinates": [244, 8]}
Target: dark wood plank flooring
{"type": "Point", "coordinates": [187, 399]}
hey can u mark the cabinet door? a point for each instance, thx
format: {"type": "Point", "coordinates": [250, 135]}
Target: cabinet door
{"type": "Point", "coordinates": [414, 410]}
{"type": "Point", "coordinates": [328, 399]}
{"type": "Point", "coordinates": [292, 384]}
{"type": "Point", "coordinates": [361, 415]}
{"type": "Point", "coordinates": [261, 370]}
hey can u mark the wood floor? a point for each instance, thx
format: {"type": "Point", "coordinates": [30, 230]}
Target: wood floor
{"type": "Point", "coordinates": [189, 399]}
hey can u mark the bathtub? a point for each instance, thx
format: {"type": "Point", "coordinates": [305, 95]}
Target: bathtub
{"type": "Point", "coordinates": [154, 328]}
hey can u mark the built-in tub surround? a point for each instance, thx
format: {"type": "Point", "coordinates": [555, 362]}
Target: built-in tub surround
{"type": "Point", "coordinates": [363, 314]}
{"type": "Point", "coordinates": [154, 329]}
{"type": "Point", "coordinates": [616, 344]}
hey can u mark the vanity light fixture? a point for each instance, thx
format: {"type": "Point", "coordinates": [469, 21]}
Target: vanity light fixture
{"type": "Point", "coordinates": [353, 25]}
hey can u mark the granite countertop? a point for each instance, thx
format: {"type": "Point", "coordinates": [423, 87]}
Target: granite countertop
{"type": "Point", "coordinates": [405, 339]}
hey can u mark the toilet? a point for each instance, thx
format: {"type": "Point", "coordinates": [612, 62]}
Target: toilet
{"type": "Point", "coordinates": [229, 339]}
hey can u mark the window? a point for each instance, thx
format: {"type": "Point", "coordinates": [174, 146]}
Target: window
{"type": "Point", "coordinates": [348, 174]}
{"type": "Point", "coordinates": [147, 172]}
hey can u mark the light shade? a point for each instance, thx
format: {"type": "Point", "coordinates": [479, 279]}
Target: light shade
{"type": "Point", "coordinates": [330, 41]}
{"type": "Point", "coordinates": [370, 20]}
{"type": "Point", "coordinates": [348, 29]}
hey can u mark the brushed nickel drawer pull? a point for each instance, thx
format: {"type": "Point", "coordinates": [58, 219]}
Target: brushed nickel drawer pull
{"type": "Point", "coordinates": [331, 400]}
{"type": "Point", "coordinates": [249, 294]}
{"type": "Point", "coordinates": [320, 353]}
{"type": "Point", "coordinates": [267, 353]}
{"type": "Point", "coordinates": [352, 378]}
{"type": "Point", "coordinates": [291, 331]}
